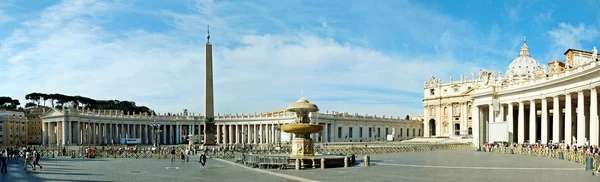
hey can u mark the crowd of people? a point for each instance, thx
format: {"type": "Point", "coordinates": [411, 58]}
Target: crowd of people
{"type": "Point", "coordinates": [31, 158]}
{"type": "Point", "coordinates": [587, 149]}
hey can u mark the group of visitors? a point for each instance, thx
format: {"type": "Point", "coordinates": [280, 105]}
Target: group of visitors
{"type": "Point", "coordinates": [588, 149]}
{"type": "Point", "coordinates": [10, 154]}
{"type": "Point", "coordinates": [185, 155]}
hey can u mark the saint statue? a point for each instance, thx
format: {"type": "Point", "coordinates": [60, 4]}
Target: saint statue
{"type": "Point", "coordinates": [594, 54]}
{"type": "Point", "coordinates": [556, 65]}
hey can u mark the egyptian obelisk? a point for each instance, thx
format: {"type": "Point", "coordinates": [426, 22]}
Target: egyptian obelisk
{"type": "Point", "coordinates": [209, 122]}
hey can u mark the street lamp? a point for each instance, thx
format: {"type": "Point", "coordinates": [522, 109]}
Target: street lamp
{"type": "Point", "coordinates": [157, 131]}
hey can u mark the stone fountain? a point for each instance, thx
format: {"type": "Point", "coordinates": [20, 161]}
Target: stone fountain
{"type": "Point", "coordinates": [302, 144]}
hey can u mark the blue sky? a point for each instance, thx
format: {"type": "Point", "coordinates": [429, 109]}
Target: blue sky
{"type": "Point", "coordinates": [356, 56]}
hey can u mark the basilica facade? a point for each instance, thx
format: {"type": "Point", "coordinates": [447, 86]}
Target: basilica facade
{"type": "Point", "coordinates": [555, 102]}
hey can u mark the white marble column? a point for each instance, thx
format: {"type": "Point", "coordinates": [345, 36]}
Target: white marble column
{"type": "Point", "coordinates": [450, 117]}
{"type": "Point", "coordinates": [326, 133]}
{"type": "Point", "coordinates": [219, 134]}
{"type": "Point", "coordinates": [521, 123]}
{"type": "Point", "coordinates": [594, 130]}
{"type": "Point", "coordinates": [510, 123]}
{"type": "Point", "coordinates": [556, 112]}
{"type": "Point", "coordinates": [225, 134]}
{"type": "Point", "coordinates": [476, 120]}
{"type": "Point", "coordinates": [544, 123]}
{"type": "Point", "coordinates": [261, 135]}
{"type": "Point", "coordinates": [532, 122]}
{"type": "Point", "coordinates": [236, 133]}
{"type": "Point", "coordinates": [581, 140]}
{"type": "Point", "coordinates": [568, 120]}
{"type": "Point", "coordinates": [254, 134]}
{"type": "Point", "coordinates": [44, 133]}
{"type": "Point", "coordinates": [164, 134]}
{"type": "Point", "coordinates": [230, 134]}
{"type": "Point", "coordinates": [248, 134]}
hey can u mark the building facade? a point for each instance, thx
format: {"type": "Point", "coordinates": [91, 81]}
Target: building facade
{"type": "Point", "coordinates": [34, 124]}
{"type": "Point", "coordinates": [13, 129]}
{"type": "Point", "coordinates": [70, 126]}
{"type": "Point", "coordinates": [529, 104]}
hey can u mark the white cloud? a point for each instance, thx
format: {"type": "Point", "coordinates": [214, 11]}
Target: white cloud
{"type": "Point", "coordinates": [567, 36]}
{"type": "Point", "coordinates": [69, 50]}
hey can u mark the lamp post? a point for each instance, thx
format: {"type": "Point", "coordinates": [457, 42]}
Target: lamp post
{"type": "Point", "coordinates": [157, 131]}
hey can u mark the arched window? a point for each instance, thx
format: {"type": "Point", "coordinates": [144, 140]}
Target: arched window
{"type": "Point", "coordinates": [470, 131]}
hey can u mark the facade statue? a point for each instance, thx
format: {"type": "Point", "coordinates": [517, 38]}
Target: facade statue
{"type": "Point", "coordinates": [594, 54]}
{"type": "Point", "coordinates": [567, 66]}
{"type": "Point", "coordinates": [556, 65]}
{"type": "Point", "coordinates": [450, 79]}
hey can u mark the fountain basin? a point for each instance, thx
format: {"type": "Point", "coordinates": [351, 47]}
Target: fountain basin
{"type": "Point", "coordinates": [302, 128]}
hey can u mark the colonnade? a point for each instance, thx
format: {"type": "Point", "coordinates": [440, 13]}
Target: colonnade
{"type": "Point", "coordinates": [100, 133]}
{"type": "Point", "coordinates": [570, 117]}
{"type": "Point", "coordinates": [249, 133]}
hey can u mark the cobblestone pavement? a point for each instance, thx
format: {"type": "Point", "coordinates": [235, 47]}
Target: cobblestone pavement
{"type": "Point", "coordinates": [67, 169]}
{"type": "Point", "coordinates": [453, 166]}
{"type": "Point", "coordinates": [410, 166]}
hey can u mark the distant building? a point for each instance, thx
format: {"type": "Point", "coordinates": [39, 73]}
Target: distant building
{"type": "Point", "coordinates": [528, 104]}
{"type": "Point", "coordinates": [34, 124]}
{"type": "Point", "coordinates": [12, 128]}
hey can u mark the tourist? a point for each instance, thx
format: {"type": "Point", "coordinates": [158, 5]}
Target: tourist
{"type": "Point", "coordinates": [203, 159]}
{"type": "Point", "coordinates": [182, 152]}
{"type": "Point", "coordinates": [36, 159]}
{"type": "Point", "coordinates": [28, 161]}
{"type": "Point", "coordinates": [3, 157]}
{"type": "Point", "coordinates": [172, 154]}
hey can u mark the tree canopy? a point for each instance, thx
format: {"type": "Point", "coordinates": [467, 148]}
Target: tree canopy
{"type": "Point", "coordinates": [58, 100]}
{"type": "Point", "coordinates": [8, 103]}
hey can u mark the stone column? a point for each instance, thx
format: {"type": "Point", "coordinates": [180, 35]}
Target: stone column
{"type": "Point", "coordinates": [450, 116]}
{"type": "Point", "coordinates": [261, 135]}
{"type": "Point", "coordinates": [521, 123]}
{"type": "Point", "coordinates": [426, 118]}
{"type": "Point", "coordinates": [255, 134]}
{"type": "Point", "coordinates": [44, 133]}
{"type": "Point", "coordinates": [594, 130]}
{"type": "Point", "coordinates": [236, 133]}
{"type": "Point", "coordinates": [556, 112]}
{"type": "Point", "coordinates": [532, 122]}
{"type": "Point", "coordinates": [164, 134]}
{"type": "Point", "coordinates": [64, 136]}
{"type": "Point", "coordinates": [326, 133]}
{"type": "Point", "coordinates": [580, 119]}
{"type": "Point", "coordinates": [476, 120]}
{"type": "Point", "coordinates": [230, 134]}
{"type": "Point", "coordinates": [248, 136]}
{"type": "Point", "coordinates": [568, 120]}
{"type": "Point", "coordinates": [218, 134]}
{"type": "Point", "coordinates": [510, 123]}
{"type": "Point", "coordinates": [544, 121]}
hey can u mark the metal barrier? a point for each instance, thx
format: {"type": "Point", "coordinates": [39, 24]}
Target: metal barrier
{"type": "Point", "coordinates": [570, 155]}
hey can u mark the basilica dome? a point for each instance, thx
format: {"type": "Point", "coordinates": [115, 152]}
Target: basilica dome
{"type": "Point", "coordinates": [524, 65]}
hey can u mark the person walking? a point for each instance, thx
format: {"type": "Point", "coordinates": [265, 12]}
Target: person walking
{"type": "Point", "coordinates": [36, 159]}
{"type": "Point", "coordinates": [203, 160]}
{"type": "Point", "coordinates": [173, 154]}
{"type": "Point", "coordinates": [27, 161]}
{"type": "Point", "coordinates": [3, 158]}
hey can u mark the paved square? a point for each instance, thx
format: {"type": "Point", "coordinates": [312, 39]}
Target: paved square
{"type": "Point", "coordinates": [411, 166]}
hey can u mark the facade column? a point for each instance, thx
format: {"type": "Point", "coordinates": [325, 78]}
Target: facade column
{"type": "Point", "coordinates": [255, 134]}
{"type": "Point", "coordinates": [594, 125]}
{"type": "Point", "coordinates": [248, 136]}
{"type": "Point", "coordinates": [261, 135]}
{"type": "Point", "coordinates": [243, 133]}
{"type": "Point", "coordinates": [532, 122]}
{"type": "Point", "coordinates": [44, 133]}
{"type": "Point", "coordinates": [236, 133]}
{"type": "Point", "coordinates": [464, 114]}
{"type": "Point", "coordinates": [476, 120]}
{"type": "Point", "coordinates": [273, 133]}
{"type": "Point", "coordinates": [64, 136]}
{"type": "Point", "coordinates": [164, 134]}
{"type": "Point", "coordinates": [521, 123]}
{"type": "Point", "coordinates": [450, 116]}
{"type": "Point", "coordinates": [326, 133]}
{"type": "Point", "coordinates": [230, 134]}
{"type": "Point", "coordinates": [510, 122]}
{"type": "Point", "coordinates": [556, 112]}
{"type": "Point", "coordinates": [544, 121]}
{"type": "Point", "coordinates": [225, 134]}
{"type": "Point", "coordinates": [218, 134]}
{"type": "Point", "coordinates": [568, 120]}
{"type": "Point", "coordinates": [426, 126]}
{"type": "Point", "coordinates": [581, 140]}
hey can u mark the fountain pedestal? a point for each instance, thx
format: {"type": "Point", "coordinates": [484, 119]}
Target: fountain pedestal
{"type": "Point", "coordinates": [302, 147]}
